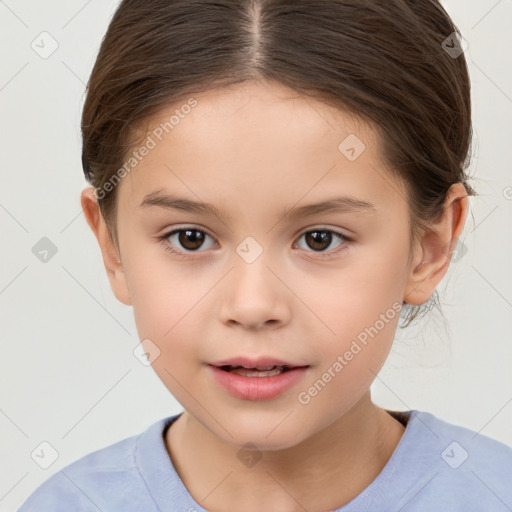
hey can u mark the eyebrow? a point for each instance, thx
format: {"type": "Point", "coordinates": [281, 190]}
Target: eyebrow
{"type": "Point", "coordinates": [338, 204]}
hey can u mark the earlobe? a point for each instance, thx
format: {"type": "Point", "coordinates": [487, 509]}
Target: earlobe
{"type": "Point", "coordinates": [111, 260]}
{"type": "Point", "coordinates": [432, 254]}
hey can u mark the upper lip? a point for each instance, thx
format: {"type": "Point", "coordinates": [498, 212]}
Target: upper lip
{"type": "Point", "coordinates": [257, 362]}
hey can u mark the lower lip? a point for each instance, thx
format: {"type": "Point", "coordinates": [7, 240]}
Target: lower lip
{"type": "Point", "coordinates": [258, 388]}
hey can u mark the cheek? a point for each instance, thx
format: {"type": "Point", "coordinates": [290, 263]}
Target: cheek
{"type": "Point", "coordinates": [363, 337]}
{"type": "Point", "coordinates": [343, 302]}
{"type": "Point", "coordinates": [170, 305]}
{"type": "Point", "coordinates": [166, 313]}
{"type": "Point", "coordinates": [161, 297]}
{"type": "Point", "coordinates": [370, 284]}
{"type": "Point", "coordinates": [350, 363]}
{"type": "Point", "coordinates": [357, 310]}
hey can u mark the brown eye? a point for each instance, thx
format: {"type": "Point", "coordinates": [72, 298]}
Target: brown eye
{"type": "Point", "coordinates": [183, 241]}
{"type": "Point", "coordinates": [318, 240]}
{"type": "Point", "coordinates": [191, 239]}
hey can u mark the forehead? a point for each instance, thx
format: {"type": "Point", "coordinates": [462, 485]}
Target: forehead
{"type": "Point", "coordinates": [259, 141]}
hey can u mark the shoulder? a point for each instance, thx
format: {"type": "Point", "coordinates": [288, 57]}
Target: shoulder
{"type": "Point", "coordinates": [468, 445]}
{"type": "Point", "coordinates": [467, 468]}
{"type": "Point", "coordinates": [106, 479]}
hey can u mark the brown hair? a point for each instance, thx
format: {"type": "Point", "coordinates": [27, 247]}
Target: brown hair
{"type": "Point", "coordinates": [386, 61]}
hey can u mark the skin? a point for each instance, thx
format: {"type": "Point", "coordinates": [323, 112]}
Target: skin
{"type": "Point", "coordinates": [254, 150]}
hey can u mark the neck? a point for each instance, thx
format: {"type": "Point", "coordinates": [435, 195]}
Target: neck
{"type": "Point", "coordinates": [324, 472]}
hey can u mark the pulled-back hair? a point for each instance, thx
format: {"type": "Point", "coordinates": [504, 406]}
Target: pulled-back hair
{"type": "Point", "coordinates": [392, 63]}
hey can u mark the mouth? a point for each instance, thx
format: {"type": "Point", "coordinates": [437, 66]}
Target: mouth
{"type": "Point", "coordinates": [257, 379]}
{"type": "Point", "coordinates": [257, 366]}
{"type": "Point", "coordinates": [263, 371]}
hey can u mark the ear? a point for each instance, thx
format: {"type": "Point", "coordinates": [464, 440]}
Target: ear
{"type": "Point", "coordinates": [111, 259]}
{"type": "Point", "coordinates": [433, 252]}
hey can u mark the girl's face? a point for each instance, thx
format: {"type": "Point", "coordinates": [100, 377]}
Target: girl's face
{"type": "Point", "coordinates": [320, 289]}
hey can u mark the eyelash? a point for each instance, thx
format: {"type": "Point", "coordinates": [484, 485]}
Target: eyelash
{"type": "Point", "coordinates": [164, 239]}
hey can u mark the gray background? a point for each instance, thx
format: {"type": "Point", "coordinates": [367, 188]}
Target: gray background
{"type": "Point", "coordinates": [68, 373]}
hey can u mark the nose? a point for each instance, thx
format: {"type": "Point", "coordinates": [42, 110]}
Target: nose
{"type": "Point", "coordinates": [255, 297]}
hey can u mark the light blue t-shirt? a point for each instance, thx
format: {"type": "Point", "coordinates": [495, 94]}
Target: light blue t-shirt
{"type": "Point", "coordinates": [436, 467]}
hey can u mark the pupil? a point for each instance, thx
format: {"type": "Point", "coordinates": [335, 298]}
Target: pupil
{"type": "Point", "coordinates": [191, 237]}
{"type": "Point", "coordinates": [319, 237]}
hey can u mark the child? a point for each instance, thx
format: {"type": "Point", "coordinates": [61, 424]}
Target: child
{"type": "Point", "coordinates": [272, 182]}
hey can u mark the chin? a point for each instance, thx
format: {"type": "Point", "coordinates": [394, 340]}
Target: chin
{"type": "Point", "coordinates": [266, 435]}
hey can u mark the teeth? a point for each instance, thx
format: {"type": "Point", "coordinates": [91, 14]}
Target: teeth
{"type": "Point", "coordinates": [265, 372]}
